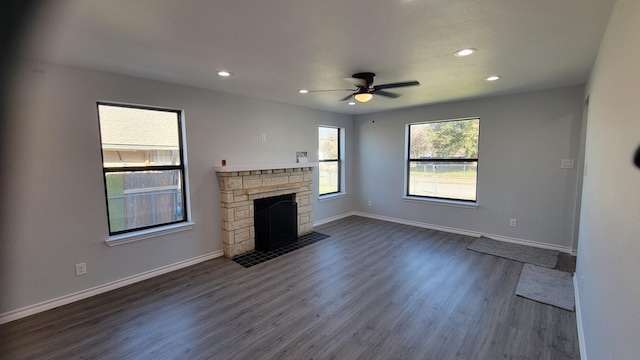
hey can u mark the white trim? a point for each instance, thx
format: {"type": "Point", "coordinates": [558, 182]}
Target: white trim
{"type": "Point", "coordinates": [256, 167]}
{"type": "Point", "coordinates": [150, 189]}
{"type": "Point", "coordinates": [148, 233]}
{"type": "Point", "coordinates": [532, 243]}
{"type": "Point", "coordinates": [581, 342]}
{"type": "Point", "coordinates": [332, 196]}
{"type": "Point", "coordinates": [108, 146]}
{"type": "Point", "coordinates": [96, 290]}
{"type": "Point", "coordinates": [445, 202]}
{"type": "Point", "coordinates": [419, 224]}
{"type": "Point", "coordinates": [333, 218]}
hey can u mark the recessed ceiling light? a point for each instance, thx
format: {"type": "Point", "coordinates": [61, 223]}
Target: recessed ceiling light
{"type": "Point", "coordinates": [224, 73]}
{"type": "Point", "coordinates": [465, 52]}
{"type": "Point", "coordinates": [352, 103]}
{"type": "Point", "coordinates": [493, 78]}
{"type": "Point", "coordinates": [303, 91]}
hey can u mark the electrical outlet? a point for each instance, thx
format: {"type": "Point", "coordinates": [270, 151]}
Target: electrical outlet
{"type": "Point", "coordinates": [369, 203]}
{"type": "Point", "coordinates": [512, 222]}
{"type": "Point", "coordinates": [81, 269]}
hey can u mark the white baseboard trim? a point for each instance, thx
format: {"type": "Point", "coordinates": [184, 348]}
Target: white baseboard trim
{"type": "Point", "coordinates": [583, 345]}
{"type": "Point", "coordinates": [532, 243]}
{"type": "Point", "coordinates": [333, 218]}
{"type": "Point", "coordinates": [84, 294]}
{"type": "Point", "coordinates": [418, 224]}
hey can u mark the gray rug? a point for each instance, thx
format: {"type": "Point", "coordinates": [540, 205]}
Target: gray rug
{"type": "Point", "coordinates": [547, 286]}
{"type": "Point", "coordinates": [527, 254]}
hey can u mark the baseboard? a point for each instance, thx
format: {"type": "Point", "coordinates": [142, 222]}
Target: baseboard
{"type": "Point", "coordinates": [417, 224]}
{"type": "Point", "coordinates": [84, 294]}
{"type": "Point", "coordinates": [333, 218]}
{"type": "Point", "coordinates": [532, 243]}
{"type": "Point", "coordinates": [583, 345]}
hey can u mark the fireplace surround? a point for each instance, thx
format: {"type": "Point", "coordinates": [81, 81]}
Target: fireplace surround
{"type": "Point", "coordinates": [240, 185]}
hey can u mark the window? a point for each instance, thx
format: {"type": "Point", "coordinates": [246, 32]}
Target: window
{"type": "Point", "coordinates": [329, 156]}
{"type": "Point", "coordinates": [442, 159]}
{"type": "Point", "coordinates": [143, 166]}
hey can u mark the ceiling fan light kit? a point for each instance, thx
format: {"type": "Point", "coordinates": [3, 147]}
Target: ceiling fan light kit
{"type": "Point", "coordinates": [363, 97]}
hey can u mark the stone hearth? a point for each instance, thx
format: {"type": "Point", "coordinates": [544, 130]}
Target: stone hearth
{"type": "Point", "coordinates": [238, 189]}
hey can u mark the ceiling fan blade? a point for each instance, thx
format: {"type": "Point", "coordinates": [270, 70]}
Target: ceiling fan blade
{"type": "Point", "coordinates": [314, 91]}
{"type": "Point", "coordinates": [385, 93]}
{"type": "Point", "coordinates": [347, 97]}
{"type": "Point", "coordinates": [396, 85]}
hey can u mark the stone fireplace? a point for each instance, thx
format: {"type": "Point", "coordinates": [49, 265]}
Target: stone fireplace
{"type": "Point", "coordinates": [241, 185]}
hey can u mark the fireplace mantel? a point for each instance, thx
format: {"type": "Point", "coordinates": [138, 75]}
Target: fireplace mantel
{"type": "Point", "coordinates": [256, 167]}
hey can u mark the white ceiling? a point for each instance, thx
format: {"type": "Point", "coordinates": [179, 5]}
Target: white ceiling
{"type": "Point", "coordinates": [276, 47]}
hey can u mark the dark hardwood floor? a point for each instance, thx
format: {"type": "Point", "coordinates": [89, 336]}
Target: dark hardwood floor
{"type": "Point", "coordinates": [373, 290]}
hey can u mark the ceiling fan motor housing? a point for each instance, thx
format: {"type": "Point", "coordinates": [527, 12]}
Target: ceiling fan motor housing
{"type": "Point", "coordinates": [367, 77]}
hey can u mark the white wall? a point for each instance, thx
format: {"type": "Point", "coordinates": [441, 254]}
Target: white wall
{"type": "Point", "coordinates": [523, 137]}
{"type": "Point", "coordinates": [609, 245]}
{"type": "Point", "coordinates": [54, 193]}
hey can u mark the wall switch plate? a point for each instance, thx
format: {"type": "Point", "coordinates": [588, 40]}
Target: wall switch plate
{"type": "Point", "coordinates": [369, 203]}
{"type": "Point", "coordinates": [81, 269]}
{"type": "Point", "coordinates": [512, 222]}
{"type": "Point", "coordinates": [264, 137]}
{"type": "Point", "coordinates": [566, 164]}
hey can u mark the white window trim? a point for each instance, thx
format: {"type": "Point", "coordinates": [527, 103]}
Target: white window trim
{"type": "Point", "coordinates": [444, 202]}
{"type": "Point", "coordinates": [148, 233]}
{"type": "Point", "coordinates": [332, 196]}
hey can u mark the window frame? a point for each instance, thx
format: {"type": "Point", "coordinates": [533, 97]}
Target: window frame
{"type": "Point", "coordinates": [337, 160]}
{"type": "Point", "coordinates": [409, 160]}
{"type": "Point", "coordinates": [143, 232]}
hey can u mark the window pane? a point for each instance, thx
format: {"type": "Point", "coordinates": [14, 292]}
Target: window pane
{"type": "Point", "coordinates": [328, 148]}
{"type": "Point", "coordinates": [444, 140]}
{"type": "Point", "coordinates": [138, 137]}
{"type": "Point", "coordinates": [329, 177]}
{"type": "Point", "coordinates": [449, 180]}
{"type": "Point", "coordinates": [143, 199]}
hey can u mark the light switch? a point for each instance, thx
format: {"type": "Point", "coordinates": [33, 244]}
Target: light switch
{"type": "Point", "coordinates": [566, 164]}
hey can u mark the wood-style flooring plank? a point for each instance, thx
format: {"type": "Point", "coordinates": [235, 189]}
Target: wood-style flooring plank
{"type": "Point", "coordinates": [373, 290]}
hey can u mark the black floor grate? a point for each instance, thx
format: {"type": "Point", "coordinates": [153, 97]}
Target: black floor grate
{"type": "Point", "coordinates": [257, 257]}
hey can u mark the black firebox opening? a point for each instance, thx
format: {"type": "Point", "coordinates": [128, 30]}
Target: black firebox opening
{"type": "Point", "coordinates": [276, 221]}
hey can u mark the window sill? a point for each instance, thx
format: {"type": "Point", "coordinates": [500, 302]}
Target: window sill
{"type": "Point", "coordinates": [454, 203]}
{"type": "Point", "coordinates": [332, 196]}
{"type": "Point", "coordinates": [148, 233]}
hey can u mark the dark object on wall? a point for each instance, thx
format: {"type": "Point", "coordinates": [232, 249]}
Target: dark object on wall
{"type": "Point", "coordinates": [636, 158]}
{"type": "Point", "coordinates": [276, 221]}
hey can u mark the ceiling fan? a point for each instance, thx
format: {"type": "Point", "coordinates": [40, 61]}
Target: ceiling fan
{"type": "Point", "coordinates": [365, 89]}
